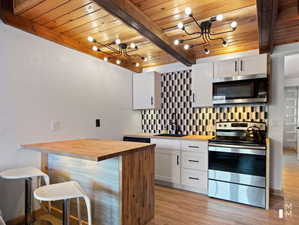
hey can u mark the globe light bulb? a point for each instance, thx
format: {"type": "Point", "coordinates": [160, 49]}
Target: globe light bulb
{"type": "Point", "coordinates": [234, 24]}
{"type": "Point", "coordinates": [186, 46]}
{"type": "Point", "coordinates": [219, 17]}
{"type": "Point", "coordinates": [224, 43]}
{"type": "Point", "coordinates": [90, 39]}
{"type": "Point", "coordinates": [95, 48]}
{"type": "Point", "coordinates": [181, 25]}
{"type": "Point", "coordinates": [176, 42]}
{"type": "Point", "coordinates": [133, 45]}
{"type": "Point", "coordinates": [188, 11]}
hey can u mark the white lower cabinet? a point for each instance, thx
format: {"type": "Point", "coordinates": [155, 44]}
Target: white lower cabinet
{"type": "Point", "coordinates": [183, 164]}
{"type": "Point", "coordinates": [167, 160]}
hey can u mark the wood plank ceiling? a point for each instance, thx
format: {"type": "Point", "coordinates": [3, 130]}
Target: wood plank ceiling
{"type": "Point", "coordinates": [74, 20]}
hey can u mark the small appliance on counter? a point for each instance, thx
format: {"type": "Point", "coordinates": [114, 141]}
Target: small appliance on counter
{"type": "Point", "coordinates": [240, 89]}
{"type": "Point", "coordinates": [237, 163]}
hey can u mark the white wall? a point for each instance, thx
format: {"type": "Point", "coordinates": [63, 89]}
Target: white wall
{"type": "Point", "coordinates": [41, 81]}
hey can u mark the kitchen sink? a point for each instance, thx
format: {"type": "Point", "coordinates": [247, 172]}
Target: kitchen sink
{"type": "Point", "coordinates": [170, 135]}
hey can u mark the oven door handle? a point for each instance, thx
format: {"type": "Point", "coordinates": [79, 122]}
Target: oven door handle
{"type": "Point", "coordinates": [237, 146]}
{"type": "Point", "coordinates": [237, 150]}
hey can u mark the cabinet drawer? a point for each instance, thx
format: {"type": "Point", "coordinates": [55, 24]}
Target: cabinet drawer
{"type": "Point", "coordinates": [166, 144]}
{"type": "Point", "coordinates": [197, 161]}
{"type": "Point", "coordinates": [195, 179]}
{"type": "Point", "coordinates": [195, 146]}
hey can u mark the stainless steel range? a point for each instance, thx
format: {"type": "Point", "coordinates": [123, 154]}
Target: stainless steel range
{"type": "Point", "coordinates": [237, 163]}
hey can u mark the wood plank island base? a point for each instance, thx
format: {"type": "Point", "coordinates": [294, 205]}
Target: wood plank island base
{"type": "Point", "coordinates": [118, 177]}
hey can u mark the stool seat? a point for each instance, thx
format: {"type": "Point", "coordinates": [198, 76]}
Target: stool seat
{"type": "Point", "coordinates": [65, 191]}
{"type": "Point", "coordinates": [23, 173]}
{"type": "Point", "coordinates": [60, 191]}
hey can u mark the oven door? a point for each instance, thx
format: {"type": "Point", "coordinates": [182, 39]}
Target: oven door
{"type": "Point", "coordinates": [238, 160]}
{"type": "Point", "coordinates": [243, 89]}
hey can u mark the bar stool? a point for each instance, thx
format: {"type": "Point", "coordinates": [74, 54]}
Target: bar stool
{"type": "Point", "coordinates": [65, 191]}
{"type": "Point", "coordinates": [26, 173]}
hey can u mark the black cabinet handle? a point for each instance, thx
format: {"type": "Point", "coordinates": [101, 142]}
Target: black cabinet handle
{"type": "Point", "coordinates": [192, 146]}
{"type": "Point", "coordinates": [193, 97]}
{"type": "Point", "coordinates": [196, 161]}
{"type": "Point", "coordinates": [178, 160]}
{"type": "Point", "coordinates": [236, 64]}
{"type": "Point", "coordinates": [193, 178]}
{"type": "Point", "coordinates": [152, 100]}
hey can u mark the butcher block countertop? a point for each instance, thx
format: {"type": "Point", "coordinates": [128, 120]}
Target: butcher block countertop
{"type": "Point", "coordinates": [188, 137]}
{"type": "Point", "coordinates": [91, 149]}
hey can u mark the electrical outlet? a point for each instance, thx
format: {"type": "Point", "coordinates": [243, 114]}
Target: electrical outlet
{"type": "Point", "coordinates": [98, 123]}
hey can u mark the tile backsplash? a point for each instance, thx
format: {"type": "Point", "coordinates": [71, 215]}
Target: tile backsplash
{"type": "Point", "coordinates": [176, 99]}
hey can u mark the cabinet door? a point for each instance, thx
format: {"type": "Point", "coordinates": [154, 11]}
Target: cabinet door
{"type": "Point", "coordinates": [253, 65]}
{"type": "Point", "coordinates": [202, 77]}
{"type": "Point", "coordinates": [226, 68]}
{"type": "Point", "coordinates": [167, 160]}
{"type": "Point", "coordinates": [168, 166]}
{"type": "Point", "coordinates": [143, 91]}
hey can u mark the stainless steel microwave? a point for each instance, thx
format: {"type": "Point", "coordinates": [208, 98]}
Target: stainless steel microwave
{"type": "Point", "coordinates": [241, 89]}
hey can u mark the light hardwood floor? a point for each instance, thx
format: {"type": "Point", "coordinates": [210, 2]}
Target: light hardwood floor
{"type": "Point", "coordinates": [176, 207]}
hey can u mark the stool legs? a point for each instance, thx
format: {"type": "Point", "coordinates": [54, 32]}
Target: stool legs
{"type": "Point", "coordinates": [28, 201]}
{"type": "Point", "coordinates": [66, 212]}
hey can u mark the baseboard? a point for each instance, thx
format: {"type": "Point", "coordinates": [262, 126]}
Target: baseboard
{"type": "Point", "coordinates": [276, 192]}
{"type": "Point", "coordinates": [20, 219]}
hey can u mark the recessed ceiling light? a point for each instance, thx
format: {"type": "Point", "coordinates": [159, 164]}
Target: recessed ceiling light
{"type": "Point", "coordinates": [145, 59]}
{"type": "Point", "coordinates": [224, 43]}
{"type": "Point", "coordinates": [117, 41]}
{"type": "Point", "coordinates": [137, 64]}
{"type": "Point", "coordinates": [207, 51]}
{"type": "Point", "coordinates": [118, 62]}
{"type": "Point", "coordinates": [106, 59]}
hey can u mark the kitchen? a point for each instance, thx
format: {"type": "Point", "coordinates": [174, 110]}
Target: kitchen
{"type": "Point", "coordinates": [56, 94]}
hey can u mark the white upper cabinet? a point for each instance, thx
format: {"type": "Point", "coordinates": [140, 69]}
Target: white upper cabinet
{"type": "Point", "coordinates": [249, 65]}
{"type": "Point", "coordinates": [146, 90]}
{"type": "Point", "coordinates": [253, 65]}
{"type": "Point", "coordinates": [226, 68]}
{"type": "Point", "coordinates": [202, 77]}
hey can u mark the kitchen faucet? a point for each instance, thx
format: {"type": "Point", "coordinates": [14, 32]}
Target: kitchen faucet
{"type": "Point", "coordinates": [174, 123]}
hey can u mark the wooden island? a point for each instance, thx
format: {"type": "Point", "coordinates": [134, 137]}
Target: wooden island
{"type": "Point", "coordinates": [118, 177]}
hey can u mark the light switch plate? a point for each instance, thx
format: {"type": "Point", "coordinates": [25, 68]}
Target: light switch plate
{"type": "Point", "coordinates": [55, 125]}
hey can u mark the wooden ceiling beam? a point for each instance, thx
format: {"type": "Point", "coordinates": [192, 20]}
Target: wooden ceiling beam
{"type": "Point", "coordinates": [135, 18]}
{"type": "Point", "coordinates": [267, 11]}
{"type": "Point", "coordinates": [28, 26]}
